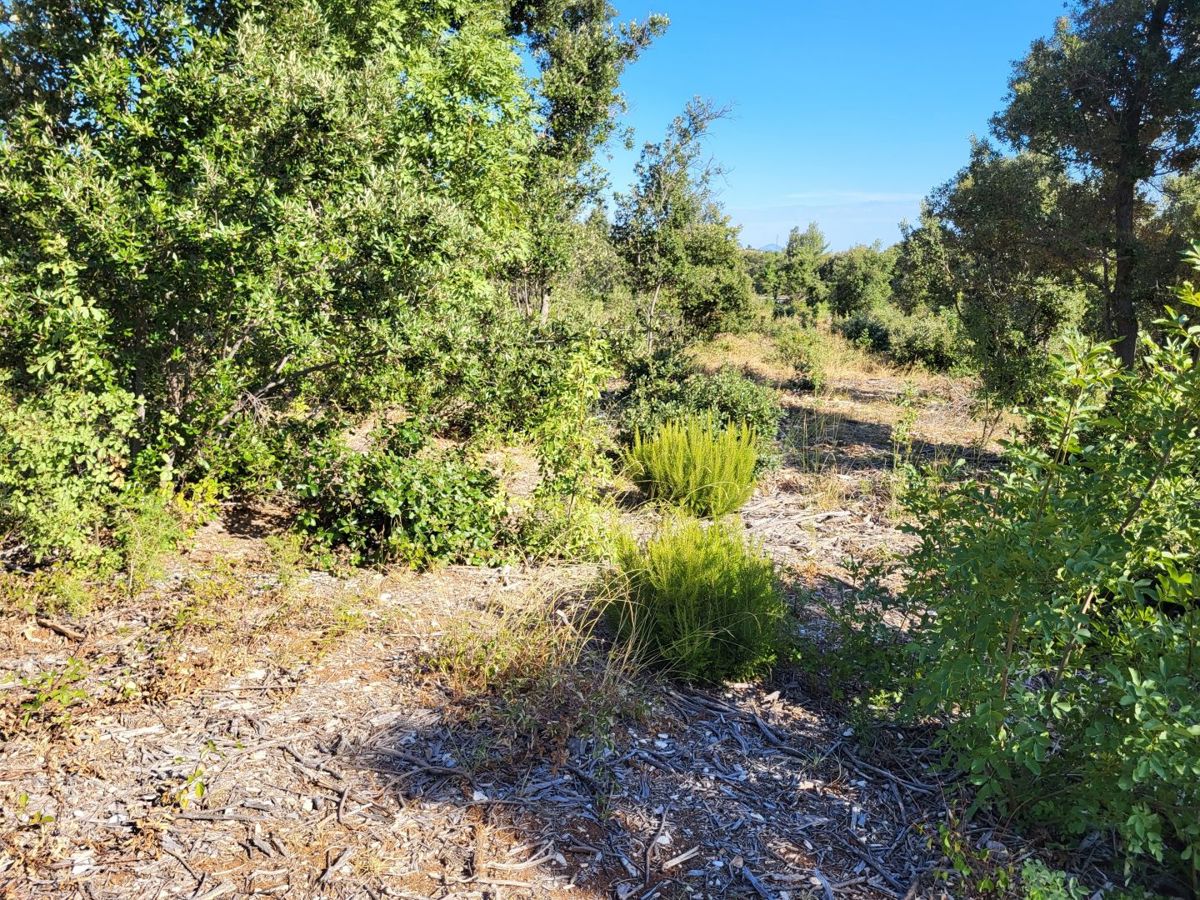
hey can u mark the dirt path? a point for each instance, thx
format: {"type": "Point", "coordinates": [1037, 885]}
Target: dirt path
{"type": "Point", "coordinates": [324, 758]}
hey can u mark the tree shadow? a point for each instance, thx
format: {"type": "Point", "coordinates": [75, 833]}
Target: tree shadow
{"type": "Point", "coordinates": [816, 439]}
{"type": "Point", "coordinates": [753, 790]}
{"type": "Point", "coordinates": [255, 518]}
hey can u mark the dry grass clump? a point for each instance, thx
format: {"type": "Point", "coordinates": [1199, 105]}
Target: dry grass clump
{"type": "Point", "coordinates": [239, 615]}
{"type": "Point", "coordinates": [530, 671]}
{"type": "Point", "coordinates": [752, 354]}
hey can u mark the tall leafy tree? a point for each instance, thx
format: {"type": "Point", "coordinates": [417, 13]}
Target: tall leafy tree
{"type": "Point", "coordinates": [802, 258]}
{"type": "Point", "coordinates": [581, 52]}
{"type": "Point", "coordinates": [1112, 100]}
{"type": "Point", "coordinates": [673, 234]}
{"type": "Point", "coordinates": [858, 279]}
{"type": "Point", "coordinates": [986, 245]}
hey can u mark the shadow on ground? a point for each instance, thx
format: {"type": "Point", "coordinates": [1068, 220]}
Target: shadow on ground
{"type": "Point", "coordinates": [748, 792]}
{"type": "Point", "coordinates": [809, 438]}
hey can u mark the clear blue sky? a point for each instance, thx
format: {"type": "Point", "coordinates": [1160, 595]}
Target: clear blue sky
{"type": "Point", "coordinates": [846, 113]}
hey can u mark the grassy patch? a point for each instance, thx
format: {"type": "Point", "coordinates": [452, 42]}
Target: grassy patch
{"type": "Point", "coordinates": [530, 672]}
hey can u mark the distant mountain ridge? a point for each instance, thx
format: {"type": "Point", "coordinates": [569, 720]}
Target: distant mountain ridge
{"type": "Point", "coordinates": [770, 248]}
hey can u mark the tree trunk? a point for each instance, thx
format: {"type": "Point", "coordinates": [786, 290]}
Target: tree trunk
{"type": "Point", "coordinates": [1121, 313]}
{"type": "Point", "coordinates": [545, 312]}
{"type": "Point", "coordinates": [1131, 163]}
{"type": "Point", "coordinates": [650, 318]}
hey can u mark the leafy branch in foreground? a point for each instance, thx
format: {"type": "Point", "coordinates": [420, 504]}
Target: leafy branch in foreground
{"type": "Point", "coordinates": [1062, 643]}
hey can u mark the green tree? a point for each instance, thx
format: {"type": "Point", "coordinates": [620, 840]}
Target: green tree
{"type": "Point", "coordinates": [858, 279]}
{"type": "Point", "coordinates": [988, 245]}
{"type": "Point", "coordinates": [772, 277]}
{"type": "Point", "coordinates": [1057, 602]}
{"type": "Point", "coordinates": [581, 53]}
{"type": "Point", "coordinates": [802, 258]}
{"type": "Point", "coordinates": [296, 207]}
{"type": "Point", "coordinates": [1112, 101]}
{"type": "Point", "coordinates": [673, 235]}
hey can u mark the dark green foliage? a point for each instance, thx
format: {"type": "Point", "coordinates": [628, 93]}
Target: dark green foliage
{"type": "Point", "coordinates": [926, 338]}
{"type": "Point", "coordinates": [1111, 103]}
{"type": "Point", "coordinates": [580, 50]}
{"type": "Point", "coordinates": [653, 390]}
{"type": "Point", "coordinates": [981, 251]}
{"type": "Point", "coordinates": [283, 209]}
{"type": "Point", "coordinates": [681, 251]}
{"type": "Point", "coordinates": [1063, 627]}
{"type": "Point", "coordinates": [665, 386]}
{"type": "Point", "coordinates": [732, 397]}
{"type": "Point", "coordinates": [868, 331]}
{"type": "Point", "coordinates": [399, 501]}
{"type": "Point", "coordinates": [800, 275]}
{"type": "Point", "coordinates": [858, 279]}
{"type": "Point", "coordinates": [714, 291]}
{"type": "Point", "coordinates": [699, 601]}
{"type": "Point", "coordinates": [696, 465]}
{"type": "Point", "coordinates": [920, 337]}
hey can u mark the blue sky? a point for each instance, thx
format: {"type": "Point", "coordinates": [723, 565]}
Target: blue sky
{"type": "Point", "coordinates": [846, 113]}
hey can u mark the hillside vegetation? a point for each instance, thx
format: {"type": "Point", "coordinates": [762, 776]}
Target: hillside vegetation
{"type": "Point", "coordinates": [389, 508]}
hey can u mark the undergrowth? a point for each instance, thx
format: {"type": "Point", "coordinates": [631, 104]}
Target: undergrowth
{"type": "Point", "coordinates": [531, 675]}
{"type": "Point", "coordinates": [696, 465]}
{"type": "Point", "coordinates": [697, 600]}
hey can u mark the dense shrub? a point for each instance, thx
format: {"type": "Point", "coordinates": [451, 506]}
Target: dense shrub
{"type": "Point", "coordinates": [400, 501]}
{"type": "Point", "coordinates": [230, 214]}
{"type": "Point", "coordinates": [730, 397]}
{"type": "Point", "coordinates": [1063, 626]}
{"type": "Point", "coordinates": [665, 386]}
{"type": "Point", "coordinates": [858, 279]}
{"type": "Point", "coordinates": [695, 464]}
{"type": "Point", "coordinates": [801, 349]}
{"type": "Point", "coordinates": [699, 601]}
{"type": "Point", "coordinates": [62, 470]}
{"type": "Point", "coordinates": [868, 331]}
{"type": "Point", "coordinates": [932, 340]}
{"type": "Point", "coordinates": [922, 337]}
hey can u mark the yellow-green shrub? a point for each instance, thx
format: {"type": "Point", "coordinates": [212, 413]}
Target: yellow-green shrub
{"type": "Point", "coordinates": [696, 465]}
{"type": "Point", "coordinates": [698, 600]}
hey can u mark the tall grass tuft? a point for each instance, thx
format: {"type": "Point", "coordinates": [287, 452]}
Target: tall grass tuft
{"type": "Point", "coordinates": [696, 465]}
{"type": "Point", "coordinates": [698, 600]}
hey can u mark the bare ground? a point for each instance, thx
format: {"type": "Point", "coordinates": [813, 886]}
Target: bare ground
{"type": "Point", "coordinates": [247, 728]}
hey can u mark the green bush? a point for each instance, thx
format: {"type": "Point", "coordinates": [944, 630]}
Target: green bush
{"type": "Point", "coordinates": [868, 331]}
{"type": "Point", "coordinates": [226, 217]}
{"type": "Point", "coordinates": [62, 459]}
{"type": "Point", "coordinates": [666, 386]}
{"type": "Point", "coordinates": [801, 349]}
{"type": "Point", "coordinates": [731, 397]}
{"type": "Point", "coordinates": [925, 338]}
{"type": "Point", "coordinates": [571, 528]}
{"type": "Point", "coordinates": [1063, 626]}
{"type": "Point", "coordinates": [699, 601]}
{"type": "Point", "coordinates": [696, 464]}
{"type": "Point", "coordinates": [922, 337]}
{"type": "Point", "coordinates": [400, 501]}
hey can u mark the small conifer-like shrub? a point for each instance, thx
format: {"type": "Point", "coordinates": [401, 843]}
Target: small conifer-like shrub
{"type": "Point", "coordinates": [698, 600]}
{"type": "Point", "coordinates": [696, 465]}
